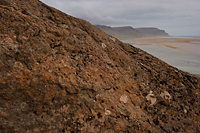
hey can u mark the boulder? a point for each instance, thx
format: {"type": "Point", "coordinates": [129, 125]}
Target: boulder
{"type": "Point", "coordinates": [62, 74]}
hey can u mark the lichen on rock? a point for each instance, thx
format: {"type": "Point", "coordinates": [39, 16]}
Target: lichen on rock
{"type": "Point", "coordinates": [62, 74]}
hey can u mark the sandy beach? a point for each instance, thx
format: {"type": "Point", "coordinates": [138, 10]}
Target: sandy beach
{"type": "Point", "coordinates": [183, 53]}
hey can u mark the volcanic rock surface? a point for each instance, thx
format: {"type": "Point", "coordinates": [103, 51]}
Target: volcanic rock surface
{"type": "Point", "coordinates": [62, 74]}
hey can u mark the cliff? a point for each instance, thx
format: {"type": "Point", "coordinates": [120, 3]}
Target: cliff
{"type": "Point", "coordinates": [62, 74]}
{"type": "Point", "coordinates": [131, 32]}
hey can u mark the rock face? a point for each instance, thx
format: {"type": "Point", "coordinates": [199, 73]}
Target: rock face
{"type": "Point", "coordinates": [130, 32]}
{"type": "Point", "coordinates": [62, 74]}
{"type": "Point", "coordinates": [148, 32]}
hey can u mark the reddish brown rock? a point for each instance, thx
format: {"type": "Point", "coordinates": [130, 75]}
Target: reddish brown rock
{"type": "Point", "coordinates": [61, 74]}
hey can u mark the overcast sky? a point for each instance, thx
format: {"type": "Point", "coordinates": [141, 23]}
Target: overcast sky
{"type": "Point", "coordinates": [176, 17]}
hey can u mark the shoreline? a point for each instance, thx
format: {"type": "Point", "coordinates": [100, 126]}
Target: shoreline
{"type": "Point", "coordinates": [182, 53]}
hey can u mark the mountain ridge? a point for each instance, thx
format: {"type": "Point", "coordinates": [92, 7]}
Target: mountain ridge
{"type": "Point", "coordinates": [129, 32]}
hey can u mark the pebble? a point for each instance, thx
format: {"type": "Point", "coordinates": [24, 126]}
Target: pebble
{"type": "Point", "coordinates": [124, 98]}
{"type": "Point", "coordinates": [107, 112]}
{"type": "Point", "coordinates": [103, 45]}
{"type": "Point", "coordinates": [150, 97]}
{"type": "Point", "coordinates": [166, 95]}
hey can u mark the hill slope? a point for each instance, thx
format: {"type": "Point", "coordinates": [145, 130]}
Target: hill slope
{"type": "Point", "coordinates": [129, 31]}
{"type": "Point", "coordinates": [62, 74]}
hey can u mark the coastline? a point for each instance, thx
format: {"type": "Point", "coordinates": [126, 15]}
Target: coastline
{"type": "Point", "coordinates": [182, 53]}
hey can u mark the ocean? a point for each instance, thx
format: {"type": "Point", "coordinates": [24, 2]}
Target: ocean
{"type": "Point", "coordinates": [186, 36]}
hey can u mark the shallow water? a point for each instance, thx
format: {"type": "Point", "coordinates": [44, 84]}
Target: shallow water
{"type": "Point", "coordinates": [183, 53]}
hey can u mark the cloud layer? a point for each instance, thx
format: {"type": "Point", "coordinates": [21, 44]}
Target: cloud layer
{"type": "Point", "coordinates": [177, 17]}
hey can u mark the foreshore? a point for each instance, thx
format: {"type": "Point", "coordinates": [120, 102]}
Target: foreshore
{"type": "Point", "coordinates": [183, 53]}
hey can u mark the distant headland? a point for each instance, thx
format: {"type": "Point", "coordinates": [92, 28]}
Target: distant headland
{"type": "Point", "coordinates": [130, 32]}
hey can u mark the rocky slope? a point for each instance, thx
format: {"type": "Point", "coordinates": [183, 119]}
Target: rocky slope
{"type": "Point", "coordinates": [130, 32]}
{"type": "Point", "coordinates": [62, 74]}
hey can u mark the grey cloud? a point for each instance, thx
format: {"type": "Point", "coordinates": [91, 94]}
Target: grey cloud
{"type": "Point", "coordinates": [182, 15]}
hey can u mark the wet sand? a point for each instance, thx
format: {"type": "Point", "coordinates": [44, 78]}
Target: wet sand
{"type": "Point", "coordinates": [183, 53]}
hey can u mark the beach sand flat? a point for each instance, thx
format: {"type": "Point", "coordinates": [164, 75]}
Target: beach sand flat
{"type": "Point", "coordinates": [183, 53]}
